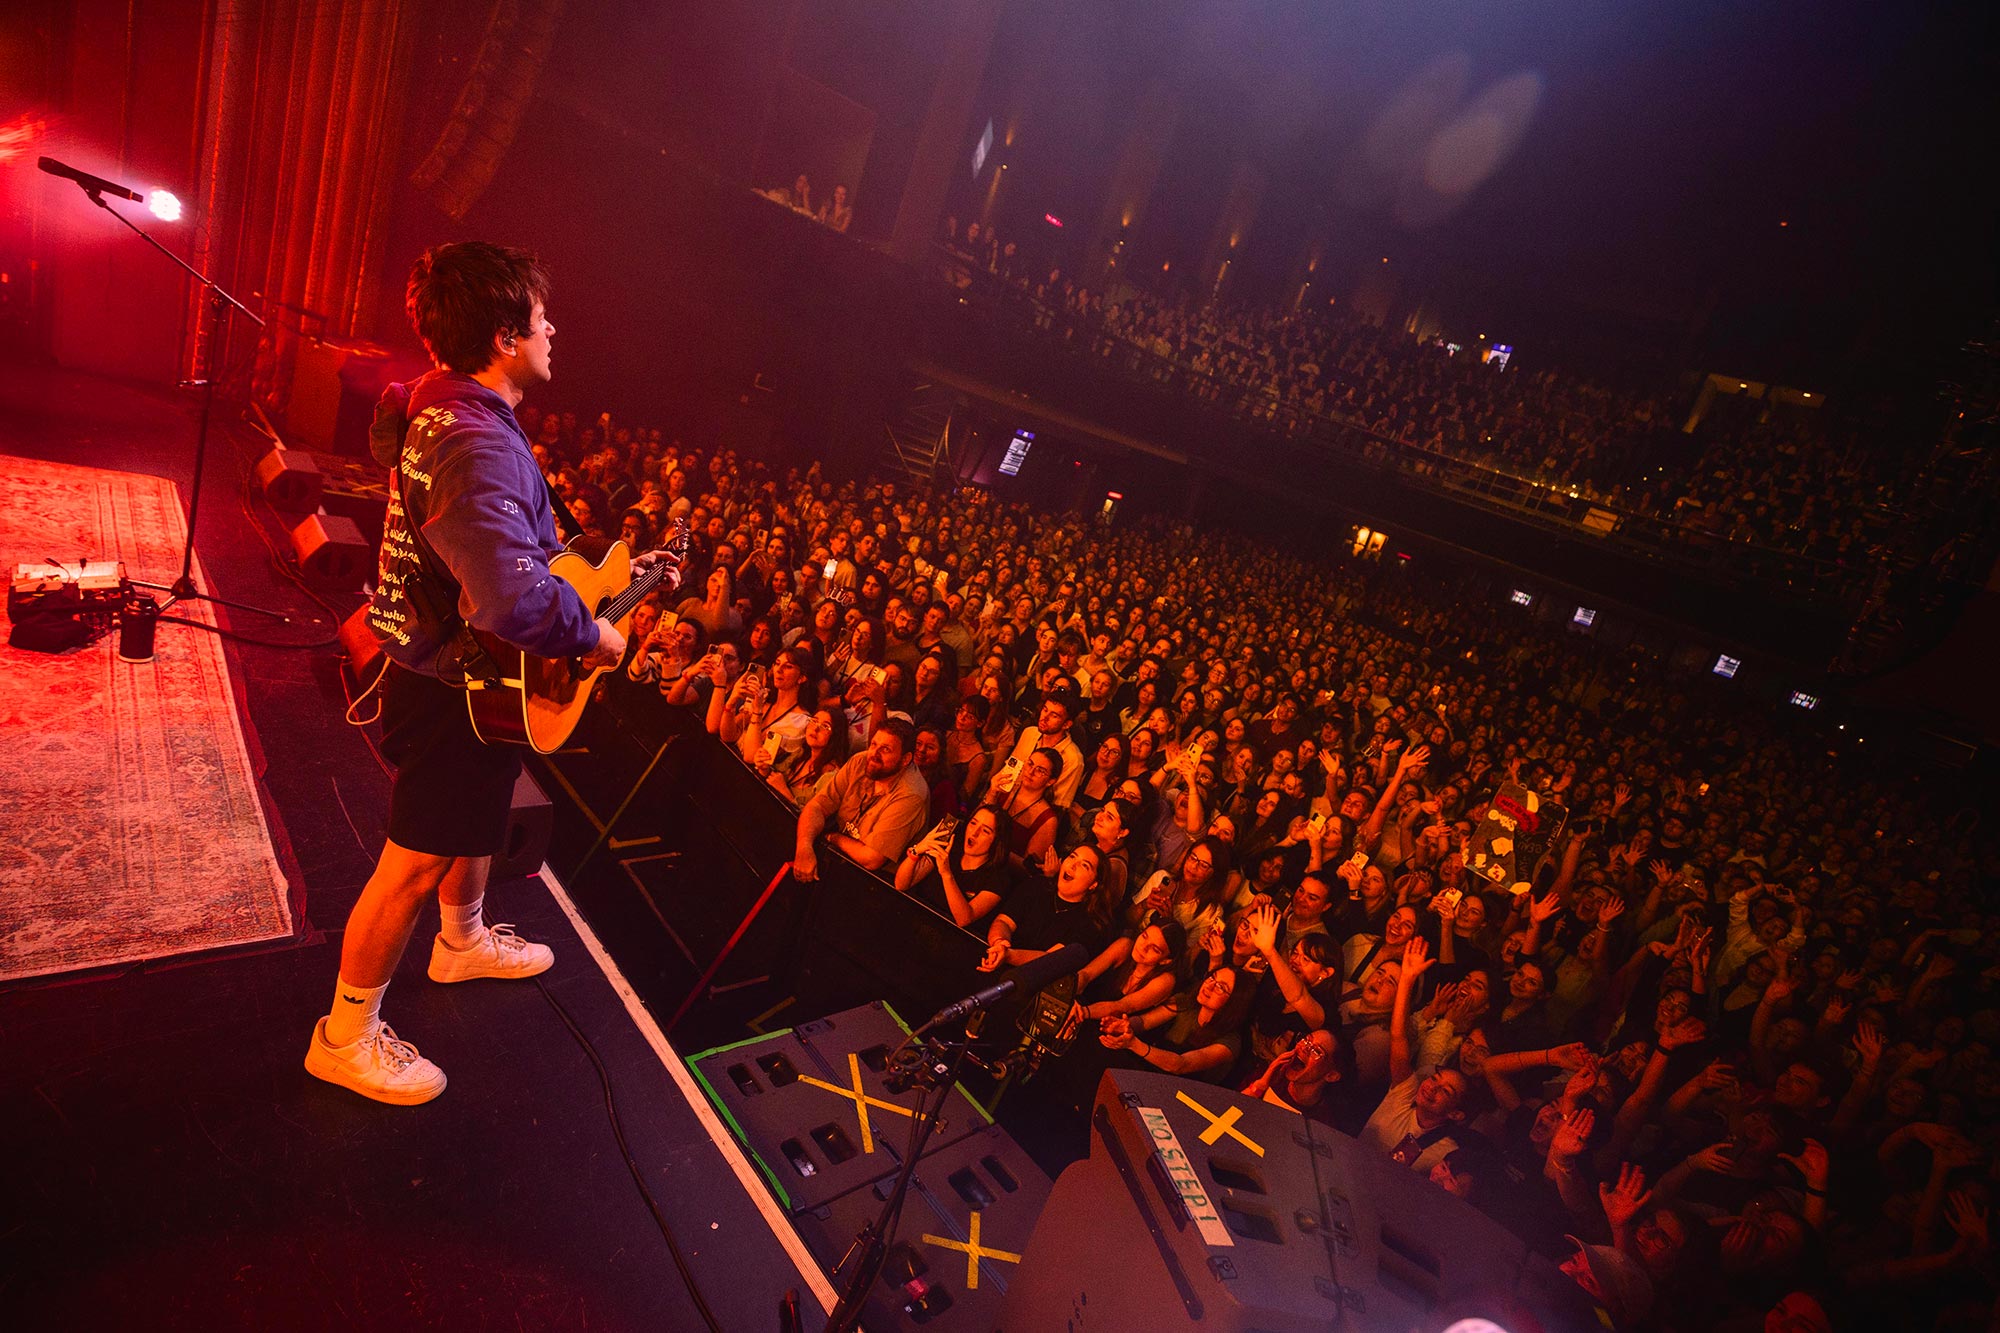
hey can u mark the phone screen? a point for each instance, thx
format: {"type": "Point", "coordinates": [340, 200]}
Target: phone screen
{"type": "Point", "coordinates": [829, 568]}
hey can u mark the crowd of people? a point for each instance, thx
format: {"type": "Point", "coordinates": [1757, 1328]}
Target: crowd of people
{"type": "Point", "coordinates": [1736, 480]}
{"type": "Point", "coordinates": [834, 209]}
{"type": "Point", "coordinates": [1728, 1055]}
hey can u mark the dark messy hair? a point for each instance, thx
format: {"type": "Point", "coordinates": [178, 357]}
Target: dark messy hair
{"type": "Point", "coordinates": [461, 295]}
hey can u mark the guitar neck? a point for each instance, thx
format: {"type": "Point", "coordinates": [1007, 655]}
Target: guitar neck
{"type": "Point", "coordinates": [621, 605]}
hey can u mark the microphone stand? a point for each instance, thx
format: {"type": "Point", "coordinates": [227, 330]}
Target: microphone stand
{"type": "Point", "coordinates": [182, 589]}
{"type": "Point", "coordinates": [935, 1064]}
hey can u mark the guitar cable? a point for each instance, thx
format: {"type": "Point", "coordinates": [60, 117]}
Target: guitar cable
{"type": "Point", "coordinates": [356, 701]}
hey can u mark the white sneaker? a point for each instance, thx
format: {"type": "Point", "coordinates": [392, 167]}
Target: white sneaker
{"type": "Point", "coordinates": [499, 953]}
{"type": "Point", "coordinates": [380, 1065]}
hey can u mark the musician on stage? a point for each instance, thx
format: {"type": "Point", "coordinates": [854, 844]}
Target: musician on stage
{"type": "Point", "coordinates": [467, 539]}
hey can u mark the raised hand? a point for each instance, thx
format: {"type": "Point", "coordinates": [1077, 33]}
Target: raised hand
{"type": "Point", "coordinates": [1416, 959]}
{"type": "Point", "coordinates": [1441, 998]}
{"type": "Point", "coordinates": [1716, 1157]}
{"type": "Point", "coordinates": [1740, 1244]}
{"type": "Point", "coordinates": [1835, 1010]}
{"type": "Point", "coordinates": [1966, 1216]}
{"type": "Point", "coordinates": [1867, 1042]}
{"type": "Point", "coordinates": [1115, 1032]}
{"type": "Point", "coordinates": [1620, 794]}
{"type": "Point", "coordinates": [1573, 1135]}
{"type": "Point", "coordinates": [1719, 1076]}
{"type": "Point", "coordinates": [1662, 872]}
{"type": "Point", "coordinates": [1414, 760]}
{"type": "Point", "coordinates": [1939, 968]}
{"type": "Point", "coordinates": [1613, 908]}
{"type": "Point", "coordinates": [1541, 909]}
{"type": "Point", "coordinates": [1811, 1163]}
{"type": "Point", "coordinates": [1571, 1056]}
{"type": "Point", "coordinates": [1698, 953]}
{"type": "Point", "coordinates": [1623, 1201]}
{"type": "Point", "coordinates": [1928, 1058]}
{"type": "Point", "coordinates": [1850, 979]}
{"type": "Point", "coordinates": [1264, 928]}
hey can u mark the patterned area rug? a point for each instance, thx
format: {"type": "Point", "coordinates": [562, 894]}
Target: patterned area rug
{"type": "Point", "coordinates": [129, 821]}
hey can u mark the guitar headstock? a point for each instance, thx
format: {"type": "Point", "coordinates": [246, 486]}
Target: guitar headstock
{"type": "Point", "coordinates": [679, 540]}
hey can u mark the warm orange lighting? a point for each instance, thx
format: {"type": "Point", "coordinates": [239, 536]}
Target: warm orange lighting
{"type": "Point", "coordinates": [1385, 259]}
{"type": "Point", "coordinates": [1784, 224]}
{"type": "Point", "coordinates": [1166, 266]}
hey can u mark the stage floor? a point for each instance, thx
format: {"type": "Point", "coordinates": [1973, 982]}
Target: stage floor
{"type": "Point", "coordinates": [178, 1167]}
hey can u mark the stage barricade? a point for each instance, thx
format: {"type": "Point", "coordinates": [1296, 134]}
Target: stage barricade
{"type": "Point", "coordinates": [847, 938]}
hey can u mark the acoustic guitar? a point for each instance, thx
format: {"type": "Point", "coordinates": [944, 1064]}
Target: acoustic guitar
{"type": "Point", "coordinates": [537, 701]}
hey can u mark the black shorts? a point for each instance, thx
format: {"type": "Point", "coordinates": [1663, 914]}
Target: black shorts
{"type": "Point", "coordinates": [453, 791]}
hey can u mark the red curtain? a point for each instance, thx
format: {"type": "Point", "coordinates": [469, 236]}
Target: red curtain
{"type": "Point", "coordinates": [303, 107]}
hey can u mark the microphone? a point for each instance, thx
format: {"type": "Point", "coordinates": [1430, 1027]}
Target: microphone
{"type": "Point", "coordinates": [1028, 978]}
{"type": "Point", "coordinates": [91, 184]}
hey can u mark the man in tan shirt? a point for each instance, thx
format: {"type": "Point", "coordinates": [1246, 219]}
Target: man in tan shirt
{"type": "Point", "coordinates": [873, 808]}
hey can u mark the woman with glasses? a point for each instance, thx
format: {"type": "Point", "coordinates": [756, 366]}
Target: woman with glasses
{"type": "Point", "coordinates": [1192, 896]}
{"type": "Point", "coordinates": [1302, 1076]}
{"type": "Point", "coordinates": [1197, 1034]}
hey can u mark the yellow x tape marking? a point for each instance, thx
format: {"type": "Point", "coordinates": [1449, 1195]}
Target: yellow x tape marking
{"type": "Point", "coordinates": [1218, 1125]}
{"type": "Point", "coordinates": [862, 1101]}
{"type": "Point", "coordinates": [974, 1252]}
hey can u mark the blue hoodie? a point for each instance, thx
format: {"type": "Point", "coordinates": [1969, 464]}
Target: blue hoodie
{"type": "Point", "coordinates": [464, 472]}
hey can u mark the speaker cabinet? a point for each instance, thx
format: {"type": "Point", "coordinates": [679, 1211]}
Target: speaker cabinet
{"type": "Point", "coordinates": [290, 480]}
{"type": "Point", "coordinates": [333, 555]}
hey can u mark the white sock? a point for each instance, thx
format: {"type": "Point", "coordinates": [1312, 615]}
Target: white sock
{"type": "Point", "coordinates": [356, 1011]}
{"type": "Point", "coordinates": [462, 927]}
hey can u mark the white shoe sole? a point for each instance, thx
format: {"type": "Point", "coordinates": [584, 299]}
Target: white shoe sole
{"type": "Point", "coordinates": [441, 967]}
{"type": "Point", "coordinates": [329, 1069]}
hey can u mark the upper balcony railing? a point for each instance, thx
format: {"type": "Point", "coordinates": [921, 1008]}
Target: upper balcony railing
{"type": "Point", "coordinates": [1216, 418]}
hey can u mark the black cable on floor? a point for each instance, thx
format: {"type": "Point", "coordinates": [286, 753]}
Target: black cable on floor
{"type": "Point", "coordinates": [234, 636]}
{"type": "Point", "coordinates": [631, 1162]}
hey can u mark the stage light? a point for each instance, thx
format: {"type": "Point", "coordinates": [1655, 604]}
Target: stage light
{"type": "Point", "coordinates": [164, 206]}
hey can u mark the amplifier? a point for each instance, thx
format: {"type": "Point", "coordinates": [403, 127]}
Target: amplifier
{"type": "Point", "coordinates": [958, 1245]}
{"type": "Point", "coordinates": [811, 1106]}
{"type": "Point", "coordinates": [1202, 1209]}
